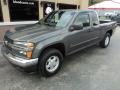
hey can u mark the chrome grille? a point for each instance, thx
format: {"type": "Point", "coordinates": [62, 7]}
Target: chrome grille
{"type": "Point", "coordinates": [8, 39]}
{"type": "Point", "coordinates": [8, 47]}
{"type": "Point", "coordinates": [8, 42]}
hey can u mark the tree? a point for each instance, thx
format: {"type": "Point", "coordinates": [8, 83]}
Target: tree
{"type": "Point", "coordinates": [91, 2]}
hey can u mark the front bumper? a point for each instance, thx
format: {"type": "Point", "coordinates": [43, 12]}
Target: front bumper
{"type": "Point", "coordinates": [20, 62]}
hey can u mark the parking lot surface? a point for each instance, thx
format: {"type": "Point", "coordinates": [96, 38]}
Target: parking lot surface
{"type": "Point", "coordinates": [91, 69]}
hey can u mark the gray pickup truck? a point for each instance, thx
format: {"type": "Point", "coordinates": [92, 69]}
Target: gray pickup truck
{"type": "Point", "coordinates": [42, 46]}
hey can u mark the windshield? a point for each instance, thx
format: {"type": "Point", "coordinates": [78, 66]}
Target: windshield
{"type": "Point", "coordinates": [58, 18]}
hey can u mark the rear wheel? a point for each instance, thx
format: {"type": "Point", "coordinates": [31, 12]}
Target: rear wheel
{"type": "Point", "coordinates": [106, 41]}
{"type": "Point", "coordinates": [50, 62]}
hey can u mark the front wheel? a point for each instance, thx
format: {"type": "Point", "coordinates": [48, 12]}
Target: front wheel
{"type": "Point", "coordinates": [106, 41]}
{"type": "Point", "coordinates": [50, 62]}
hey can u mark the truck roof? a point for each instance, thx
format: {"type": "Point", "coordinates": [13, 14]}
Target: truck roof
{"type": "Point", "coordinates": [75, 10]}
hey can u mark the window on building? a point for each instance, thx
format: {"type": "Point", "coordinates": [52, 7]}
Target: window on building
{"type": "Point", "coordinates": [66, 6]}
{"type": "Point", "coordinates": [23, 10]}
{"type": "Point", "coordinates": [48, 7]}
{"type": "Point", "coordinates": [1, 17]}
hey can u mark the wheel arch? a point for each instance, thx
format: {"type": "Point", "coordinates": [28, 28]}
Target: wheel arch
{"type": "Point", "coordinates": [110, 32]}
{"type": "Point", "coordinates": [58, 46]}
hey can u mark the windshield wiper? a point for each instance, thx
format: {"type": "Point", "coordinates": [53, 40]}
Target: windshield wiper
{"type": "Point", "coordinates": [50, 24]}
{"type": "Point", "coordinates": [46, 23]}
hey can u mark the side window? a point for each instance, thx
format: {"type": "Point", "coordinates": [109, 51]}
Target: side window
{"type": "Point", "coordinates": [82, 19]}
{"type": "Point", "coordinates": [94, 19]}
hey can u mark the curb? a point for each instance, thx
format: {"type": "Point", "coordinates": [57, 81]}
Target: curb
{"type": "Point", "coordinates": [17, 23]}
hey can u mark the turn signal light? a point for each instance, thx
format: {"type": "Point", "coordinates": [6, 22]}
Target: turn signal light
{"type": "Point", "coordinates": [29, 54]}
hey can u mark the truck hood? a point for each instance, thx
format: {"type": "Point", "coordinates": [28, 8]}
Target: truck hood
{"type": "Point", "coordinates": [30, 33]}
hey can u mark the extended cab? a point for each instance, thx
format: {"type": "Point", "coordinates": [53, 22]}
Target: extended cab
{"type": "Point", "coordinates": [42, 46]}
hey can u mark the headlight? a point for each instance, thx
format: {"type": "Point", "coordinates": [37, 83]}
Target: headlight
{"type": "Point", "coordinates": [27, 46]}
{"type": "Point", "coordinates": [24, 48]}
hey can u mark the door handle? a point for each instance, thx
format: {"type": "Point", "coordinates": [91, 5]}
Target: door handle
{"type": "Point", "coordinates": [89, 30]}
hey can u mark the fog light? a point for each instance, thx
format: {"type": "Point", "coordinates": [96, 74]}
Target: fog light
{"type": "Point", "coordinates": [22, 52]}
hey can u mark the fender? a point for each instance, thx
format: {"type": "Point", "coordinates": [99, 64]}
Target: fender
{"type": "Point", "coordinates": [47, 43]}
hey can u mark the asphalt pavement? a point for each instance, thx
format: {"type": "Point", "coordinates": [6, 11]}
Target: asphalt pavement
{"type": "Point", "coordinates": [91, 69]}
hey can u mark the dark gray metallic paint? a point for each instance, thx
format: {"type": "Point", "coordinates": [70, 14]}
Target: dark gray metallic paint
{"type": "Point", "coordinates": [44, 36]}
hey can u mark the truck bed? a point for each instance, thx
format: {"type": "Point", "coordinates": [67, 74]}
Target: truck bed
{"type": "Point", "coordinates": [105, 21]}
{"type": "Point", "coordinates": [108, 24]}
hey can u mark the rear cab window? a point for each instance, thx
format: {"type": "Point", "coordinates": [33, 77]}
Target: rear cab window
{"type": "Point", "coordinates": [94, 17]}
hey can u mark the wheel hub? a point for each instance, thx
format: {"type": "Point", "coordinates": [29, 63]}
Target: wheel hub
{"type": "Point", "coordinates": [52, 63]}
{"type": "Point", "coordinates": [107, 41]}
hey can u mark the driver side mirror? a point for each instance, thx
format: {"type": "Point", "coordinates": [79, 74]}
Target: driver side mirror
{"type": "Point", "coordinates": [76, 27]}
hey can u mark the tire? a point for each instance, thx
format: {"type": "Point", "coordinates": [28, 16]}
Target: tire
{"type": "Point", "coordinates": [49, 58]}
{"type": "Point", "coordinates": [106, 41]}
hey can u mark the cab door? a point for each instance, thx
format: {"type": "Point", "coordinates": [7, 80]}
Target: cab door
{"type": "Point", "coordinates": [79, 39]}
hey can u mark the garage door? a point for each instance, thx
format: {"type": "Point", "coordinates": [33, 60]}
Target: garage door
{"type": "Point", "coordinates": [23, 10]}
